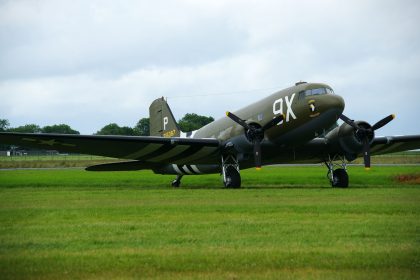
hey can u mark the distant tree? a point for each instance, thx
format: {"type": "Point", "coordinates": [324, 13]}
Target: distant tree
{"type": "Point", "coordinates": [27, 128]}
{"type": "Point", "coordinates": [4, 124]}
{"type": "Point", "coordinates": [142, 127]}
{"type": "Point", "coordinates": [115, 129]}
{"type": "Point", "coordinates": [59, 128]}
{"type": "Point", "coordinates": [192, 121]}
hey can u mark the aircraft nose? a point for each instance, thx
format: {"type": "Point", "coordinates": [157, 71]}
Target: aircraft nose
{"type": "Point", "coordinates": [336, 102]}
{"type": "Point", "coordinates": [332, 103]}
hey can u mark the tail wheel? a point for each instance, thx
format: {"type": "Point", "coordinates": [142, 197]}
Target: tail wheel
{"type": "Point", "coordinates": [233, 178]}
{"type": "Point", "coordinates": [177, 182]}
{"type": "Point", "coordinates": [340, 178]}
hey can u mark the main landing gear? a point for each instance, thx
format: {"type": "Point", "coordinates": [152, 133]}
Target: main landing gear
{"type": "Point", "coordinates": [338, 177]}
{"type": "Point", "coordinates": [230, 171]}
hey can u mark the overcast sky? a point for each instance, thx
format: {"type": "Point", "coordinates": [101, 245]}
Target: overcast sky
{"type": "Point", "coordinates": [90, 63]}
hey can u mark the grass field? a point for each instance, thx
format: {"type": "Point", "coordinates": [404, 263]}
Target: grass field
{"type": "Point", "coordinates": [54, 161]}
{"type": "Point", "coordinates": [285, 223]}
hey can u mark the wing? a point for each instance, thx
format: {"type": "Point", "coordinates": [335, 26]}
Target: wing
{"type": "Point", "coordinates": [393, 144]}
{"type": "Point", "coordinates": [143, 148]}
{"type": "Point", "coordinates": [318, 149]}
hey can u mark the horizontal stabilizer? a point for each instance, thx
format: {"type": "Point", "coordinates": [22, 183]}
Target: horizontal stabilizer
{"type": "Point", "coordinates": [121, 166]}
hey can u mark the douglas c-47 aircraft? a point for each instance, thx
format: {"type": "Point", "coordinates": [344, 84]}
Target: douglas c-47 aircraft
{"type": "Point", "coordinates": [294, 125]}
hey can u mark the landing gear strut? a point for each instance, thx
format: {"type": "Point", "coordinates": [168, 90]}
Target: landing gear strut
{"type": "Point", "coordinates": [177, 182]}
{"type": "Point", "coordinates": [230, 171]}
{"type": "Point", "coordinates": [338, 177]}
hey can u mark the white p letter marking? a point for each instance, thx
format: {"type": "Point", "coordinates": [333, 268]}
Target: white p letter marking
{"type": "Point", "coordinates": [165, 122]}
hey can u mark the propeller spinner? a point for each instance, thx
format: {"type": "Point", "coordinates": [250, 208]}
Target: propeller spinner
{"type": "Point", "coordinates": [255, 134]}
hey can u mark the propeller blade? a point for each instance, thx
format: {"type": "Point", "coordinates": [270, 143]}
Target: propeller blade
{"type": "Point", "coordinates": [383, 122]}
{"type": "Point", "coordinates": [366, 153]}
{"type": "Point", "coordinates": [349, 121]}
{"type": "Point", "coordinates": [273, 122]}
{"type": "Point", "coordinates": [237, 120]}
{"type": "Point", "coordinates": [257, 154]}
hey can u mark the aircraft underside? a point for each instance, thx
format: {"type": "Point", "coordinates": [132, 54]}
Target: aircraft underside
{"type": "Point", "coordinates": [230, 170]}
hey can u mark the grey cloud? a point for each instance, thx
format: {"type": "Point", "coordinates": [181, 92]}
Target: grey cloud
{"type": "Point", "coordinates": [81, 60]}
{"type": "Point", "coordinates": [97, 40]}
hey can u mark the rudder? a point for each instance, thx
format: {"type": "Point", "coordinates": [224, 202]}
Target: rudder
{"type": "Point", "coordinates": [162, 121]}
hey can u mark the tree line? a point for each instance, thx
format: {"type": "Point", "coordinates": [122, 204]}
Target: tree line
{"type": "Point", "coordinates": [189, 122]}
{"type": "Point", "coordinates": [34, 128]}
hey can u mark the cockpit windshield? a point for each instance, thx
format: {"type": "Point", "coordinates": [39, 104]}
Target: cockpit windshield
{"type": "Point", "coordinates": [315, 91]}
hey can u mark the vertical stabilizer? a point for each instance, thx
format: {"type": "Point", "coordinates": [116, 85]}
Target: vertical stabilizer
{"type": "Point", "coordinates": [162, 121]}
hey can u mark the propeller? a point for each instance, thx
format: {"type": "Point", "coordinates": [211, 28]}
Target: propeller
{"type": "Point", "coordinates": [364, 134]}
{"type": "Point", "coordinates": [255, 134]}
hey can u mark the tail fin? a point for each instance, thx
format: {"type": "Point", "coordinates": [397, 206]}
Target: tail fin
{"type": "Point", "coordinates": [162, 121]}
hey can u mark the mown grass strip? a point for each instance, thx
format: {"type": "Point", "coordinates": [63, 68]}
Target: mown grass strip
{"type": "Point", "coordinates": [75, 224]}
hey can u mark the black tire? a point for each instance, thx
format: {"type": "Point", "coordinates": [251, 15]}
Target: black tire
{"type": "Point", "coordinates": [233, 178]}
{"type": "Point", "coordinates": [176, 183]}
{"type": "Point", "coordinates": [340, 178]}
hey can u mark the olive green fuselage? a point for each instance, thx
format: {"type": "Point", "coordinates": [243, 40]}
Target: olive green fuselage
{"type": "Point", "coordinates": [305, 117]}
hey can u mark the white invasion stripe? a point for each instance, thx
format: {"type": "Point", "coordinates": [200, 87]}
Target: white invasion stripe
{"type": "Point", "coordinates": [171, 153]}
{"type": "Point", "coordinates": [177, 170]}
{"type": "Point", "coordinates": [144, 151]}
{"type": "Point", "coordinates": [194, 167]}
{"type": "Point", "coordinates": [185, 168]}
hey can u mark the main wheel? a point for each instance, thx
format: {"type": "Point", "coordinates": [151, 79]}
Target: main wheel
{"type": "Point", "coordinates": [340, 178]}
{"type": "Point", "coordinates": [233, 178]}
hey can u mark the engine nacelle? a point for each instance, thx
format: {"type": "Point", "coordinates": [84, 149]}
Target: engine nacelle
{"type": "Point", "coordinates": [349, 139]}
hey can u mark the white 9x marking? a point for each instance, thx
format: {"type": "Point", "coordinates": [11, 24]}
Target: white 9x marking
{"type": "Point", "coordinates": [278, 107]}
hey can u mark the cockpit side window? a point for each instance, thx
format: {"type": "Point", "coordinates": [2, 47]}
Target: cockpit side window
{"type": "Point", "coordinates": [301, 95]}
{"type": "Point", "coordinates": [330, 91]}
{"type": "Point", "coordinates": [319, 91]}
{"type": "Point", "coordinates": [316, 91]}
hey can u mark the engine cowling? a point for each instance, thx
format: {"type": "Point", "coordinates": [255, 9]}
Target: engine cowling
{"type": "Point", "coordinates": [349, 139]}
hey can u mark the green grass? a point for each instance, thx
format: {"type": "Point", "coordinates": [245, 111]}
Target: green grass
{"type": "Point", "coordinates": [56, 157]}
{"type": "Point", "coordinates": [52, 161]}
{"type": "Point", "coordinates": [286, 222]}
